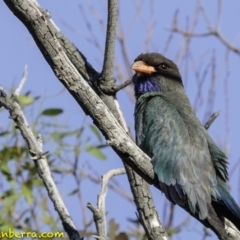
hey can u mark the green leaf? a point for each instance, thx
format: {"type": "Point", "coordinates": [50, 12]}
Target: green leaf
{"type": "Point", "coordinates": [52, 112]}
{"type": "Point", "coordinates": [8, 153]}
{"type": "Point", "coordinates": [10, 203]}
{"type": "Point", "coordinates": [61, 135]}
{"type": "Point", "coordinates": [96, 132]}
{"type": "Point", "coordinates": [38, 182]}
{"type": "Point", "coordinates": [73, 192]}
{"type": "Point", "coordinates": [96, 152]}
{"type": "Point", "coordinates": [25, 100]}
{"type": "Point", "coordinates": [6, 172]}
{"type": "Point", "coordinates": [171, 232]}
{"type": "Point", "coordinates": [4, 133]}
{"type": "Point", "coordinates": [27, 192]}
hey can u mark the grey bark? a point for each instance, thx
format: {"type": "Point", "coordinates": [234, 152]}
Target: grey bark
{"type": "Point", "coordinates": [58, 52]}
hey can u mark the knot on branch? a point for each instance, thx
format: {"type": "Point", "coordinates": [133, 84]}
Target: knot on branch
{"type": "Point", "coordinates": [107, 85]}
{"type": "Point", "coordinates": [37, 155]}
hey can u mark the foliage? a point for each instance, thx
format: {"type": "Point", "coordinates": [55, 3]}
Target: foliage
{"type": "Point", "coordinates": [25, 204]}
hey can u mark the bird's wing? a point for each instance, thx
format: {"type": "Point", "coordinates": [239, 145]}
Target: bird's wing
{"type": "Point", "coordinates": [179, 153]}
{"type": "Point", "coordinates": [219, 159]}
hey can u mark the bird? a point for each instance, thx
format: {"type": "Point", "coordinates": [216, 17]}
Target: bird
{"type": "Point", "coordinates": [191, 169]}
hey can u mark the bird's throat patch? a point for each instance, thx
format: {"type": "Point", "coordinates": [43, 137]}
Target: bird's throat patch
{"type": "Point", "coordinates": [143, 84]}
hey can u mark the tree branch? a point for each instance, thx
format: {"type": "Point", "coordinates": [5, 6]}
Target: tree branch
{"type": "Point", "coordinates": [39, 157]}
{"type": "Point", "coordinates": [106, 77]}
{"type": "Point", "coordinates": [23, 80]}
{"type": "Point", "coordinates": [40, 25]}
{"type": "Point", "coordinates": [41, 28]}
{"type": "Point", "coordinates": [78, 59]}
{"type": "Point", "coordinates": [51, 49]}
{"type": "Point", "coordinates": [122, 85]}
{"type": "Point", "coordinates": [231, 230]}
{"type": "Point", "coordinates": [99, 213]}
{"type": "Point", "coordinates": [211, 119]}
{"type": "Point", "coordinates": [212, 31]}
{"type": "Point", "coordinates": [140, 189]}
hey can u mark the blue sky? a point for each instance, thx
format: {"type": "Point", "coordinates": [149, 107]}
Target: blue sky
{"type": "Point", "coordinates": [18, 48]}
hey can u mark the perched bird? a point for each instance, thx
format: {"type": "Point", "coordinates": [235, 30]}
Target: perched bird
{"type": "Point", "coordinates": [191, 169]}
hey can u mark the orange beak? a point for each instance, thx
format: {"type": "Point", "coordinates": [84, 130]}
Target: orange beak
{"type": "Point", "coordinates": [142, 67]}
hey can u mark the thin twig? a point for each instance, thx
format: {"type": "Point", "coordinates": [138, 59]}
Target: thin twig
{"type": "Point", "coordinates": [211, 31]}
{"type": "Point", "coordinates": [99, 213]}
{"type": "Point", "coordinates": [212, 89]}
{"type": "Point", "coordinates": [122, 85]}
{"type": "Point", "coordinates": [211, 119]}
{"type": "Point", "coordinates": [39, 157]}
{"type": "Point", "coordinates": [113, 128]}
{"type": "Point", "coordinates": [23, 80]}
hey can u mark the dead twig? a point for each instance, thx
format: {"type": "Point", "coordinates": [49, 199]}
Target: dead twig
{"type": "Point", "coordinates": [99, 213]}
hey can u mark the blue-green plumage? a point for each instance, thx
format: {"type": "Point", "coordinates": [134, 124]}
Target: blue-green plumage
{"type": "Point", "coordinates": [191, 169]}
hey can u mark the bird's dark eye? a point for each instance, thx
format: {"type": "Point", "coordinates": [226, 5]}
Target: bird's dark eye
{"type": "Point", "coordinates": [163, 66]}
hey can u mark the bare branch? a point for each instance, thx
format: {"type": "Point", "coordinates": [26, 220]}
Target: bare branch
{"type": "Point", "coordinates": [212, 31]}
{"type": "Point", "coordinates": [95, 39]}
{"type": "Point", "coordinates": [122, 85]}
{"type": "Point", "coordinates": [107, 70]}
{"type": "Point", "coordinates": [123, 47]}
{"type": "Point", "coordinates": [211, 119]}
{"type": "Point", "coordinates": [78, 59]}
{"type": "Point", "coordinates": [212, 88]}
{"type": "Point", "coordinates": [203, 10]}
{"type": "Point", "coordinates": [23, 80]}
{"type": "Point", "coordinates": [146, 208]}
{"type": "Point", "coordinates": [147, 213]}
{"type": "Point", "coordinates": [40, 26]}
{"type": "Point", "coordinates": [79, 89]}
{"type": "Point", "coordinates": [35, 149]}
{"type": "Point", "coordinates": [99, 213]}
{"type": "Point", "coordinates": [97, 216]}
{"type": "Point", "coordinates": [113, 186]}
{"type": "Point", "coordinates": [231, 230]}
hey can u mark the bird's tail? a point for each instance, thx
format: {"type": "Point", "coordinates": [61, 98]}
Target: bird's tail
{"type": "Point", "coordinates": [227, 207]}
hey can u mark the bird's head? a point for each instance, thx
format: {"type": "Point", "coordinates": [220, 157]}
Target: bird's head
{"type": "Point", "coordinates": [154, 72]}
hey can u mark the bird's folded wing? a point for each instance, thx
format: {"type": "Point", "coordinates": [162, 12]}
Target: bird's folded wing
{"type": "Point", "coordinates": [179, 153]}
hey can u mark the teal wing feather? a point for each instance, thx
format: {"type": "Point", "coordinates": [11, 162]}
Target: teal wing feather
{"type": "Point", "coordinates": [179, 153]}
{"type": "Point", "coordinates": [219, 160]}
